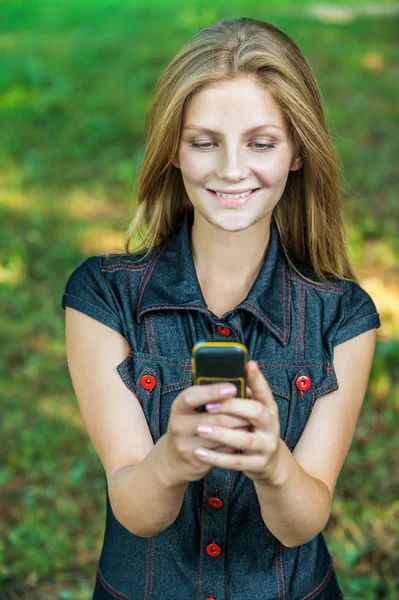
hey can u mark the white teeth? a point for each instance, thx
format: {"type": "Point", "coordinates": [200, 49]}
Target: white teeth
{"type": "Point", "coordinates": [243, 195]}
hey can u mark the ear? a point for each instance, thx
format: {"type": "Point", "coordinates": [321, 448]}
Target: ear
{"type": "Point", "coordinates": [296, 163]}
{"type": "Point", "coordinates": [175, 162]}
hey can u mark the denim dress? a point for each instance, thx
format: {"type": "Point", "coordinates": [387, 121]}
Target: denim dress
{"type": "Point", "coordinates": [219, 547]}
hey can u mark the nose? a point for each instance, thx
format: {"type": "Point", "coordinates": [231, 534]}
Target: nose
{"type": "Point", "coordinates": [232, 164]}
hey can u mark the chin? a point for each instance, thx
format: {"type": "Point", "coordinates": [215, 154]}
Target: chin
{"type": "Point", "coordinates": [233, 222]}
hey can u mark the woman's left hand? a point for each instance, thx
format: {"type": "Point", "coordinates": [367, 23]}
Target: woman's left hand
{"type": "Point", "coordinates": [261, 443]}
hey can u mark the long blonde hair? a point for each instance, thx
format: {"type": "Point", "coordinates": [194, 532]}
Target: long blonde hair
{"type": "Point", "coordinates": [309, 215]}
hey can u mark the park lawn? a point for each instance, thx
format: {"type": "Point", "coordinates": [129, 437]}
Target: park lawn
{"type": "Point", "coordinates": [76, 79]}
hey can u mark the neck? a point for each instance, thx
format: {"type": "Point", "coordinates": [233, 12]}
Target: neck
{"type": "Point", "coordinates": [229, 259]}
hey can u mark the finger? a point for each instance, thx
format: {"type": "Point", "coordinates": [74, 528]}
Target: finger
{"type": "Point", "coordinates": [187, 424]}
{"type": "Point", "coordinates": [259, 385]}
{"type": "Point", "coordinates": [236, 462]}
{"type": "Point", "coordinates": [252, 410]}
{"type": "Point", "coordinates": [196, 396]}
{"type": "Point", "coordinates": [238, 439]}
{"type": "Point", "coordinates": [222, 419]}
{"type": "Point", "coordinates": [225, 450]}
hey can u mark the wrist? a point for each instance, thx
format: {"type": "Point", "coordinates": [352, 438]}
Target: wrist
{"type": "Point", "coordinates": [278, 469]}
{"type": "Point", "coordinates": [166, 471]}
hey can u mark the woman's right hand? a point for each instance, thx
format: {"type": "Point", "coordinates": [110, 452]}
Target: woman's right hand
{"type": "Point", "coordinates": [181, 438]}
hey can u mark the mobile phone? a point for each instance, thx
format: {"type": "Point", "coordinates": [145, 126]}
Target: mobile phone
{"type": "Point", "coordinates": [214, 362]}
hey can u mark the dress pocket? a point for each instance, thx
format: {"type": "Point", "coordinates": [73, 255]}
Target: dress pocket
{"type": "Point", "coordinates": [156, 380]}
{"type": "Point", "coordinates": [295, 389]}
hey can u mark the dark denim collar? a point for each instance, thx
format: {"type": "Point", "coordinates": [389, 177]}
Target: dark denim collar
{"type": "Point", "coordinates": [170, 282]}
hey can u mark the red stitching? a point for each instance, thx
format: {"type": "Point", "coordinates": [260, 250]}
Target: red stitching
{"type": "Point", "coordinates": [153, 561]}
{"type": "Point", "coordinates": [323, 386]}
{"type": "Point", "coordinates": [313, 399]}
{"type": "Point", "coordinates": [297, 323]}
{"type": "Point", "coordinates": [303, 321]}
{"type": "Point", "coordinates": [127, 380]}
{"type": "Point", "coordinates": [324, 393]}
{"type": "Point", "coordinates": [282, 569]}
{"type": "Point", "coordinates": [152, 306]}
{"type": "Point", "coordinates": [153, 333]}
{"type": "Point", "coordinates": [108, 588]}
{"type": "Point", "coordinates": [148, 278]}
{"type": "Point", "coordinates": [277, 577]}
{"type": "Point", "coordinates": [146, 567]}
{"type": "Point", "coordinates": [280, 388]}
{"type": "Point", "coordinates": [290, 415]}
{"type": "Point", "coordinates": [232, 472]}
{"type": "Point", "coordinates": [160, 362]}
{"type": "Point", "coordinates": [177, 382]}
{"type": "Point", "coordinates": [323, 288]}
{"type": "Point", "coordinates": [320, 587]}
{"type": "Point", "coordinates": [289, 303]}
{"type": "Point", "coordinates": [201, 538]}
{"type": "Point", "coordinates": [164, 388]}
{"type": "Point", "coordinates": [298, 366]}
{"type": "Point", "coordinates": [238, 326]}
{"type": "Point", "coordinates": [264, 316]}
{"type": "Point", "coordinates": [147, 335]}
{"type": "Point", "coordinates": [283, 298]}
{"type": "Point", "coordinates": [230, 483]}
{"type": "Point", "coordinates": [157, 391]}
{"type": "Point", "coordinates": [123, 268]}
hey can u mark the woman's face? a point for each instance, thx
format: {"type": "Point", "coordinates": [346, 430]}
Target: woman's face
{"type": "Point", "coordinates": [233, 159]}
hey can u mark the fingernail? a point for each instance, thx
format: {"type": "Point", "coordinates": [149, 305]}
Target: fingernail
{"type": "Point", "coordinates": [225, 391]}
{"type": "Point", "coordinates": [204, 429]}
{"type": "Point", "coordinates": [200, 452]}
{"type": "Point", "coordinates": [213, 405]}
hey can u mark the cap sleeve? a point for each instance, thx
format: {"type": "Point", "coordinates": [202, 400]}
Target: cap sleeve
{"type": "Point", "coordinates": [359, 313]}
{"type": "Point", "coordinates": [87, 290]}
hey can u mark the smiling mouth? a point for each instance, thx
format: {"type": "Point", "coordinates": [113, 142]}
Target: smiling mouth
{"type": "Point", "coordinates": [232, 195]}
{"type": "Point", "coordinates": [237, 201]}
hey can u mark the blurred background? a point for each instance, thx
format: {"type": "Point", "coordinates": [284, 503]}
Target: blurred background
{"type": "Point", "coordinates": [76, 80]}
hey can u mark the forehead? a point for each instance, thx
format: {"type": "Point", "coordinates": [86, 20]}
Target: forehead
{"type": "Point", "coordinates": [239, 102]}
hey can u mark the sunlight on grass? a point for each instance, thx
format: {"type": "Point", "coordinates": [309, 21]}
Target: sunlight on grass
{"type": "Point", "coordinates": [81, 205]}
{"type": "Point", "coordinates": [386, 298]}
{"type": "Point", "coordinates": [99, 240]}
{"type": "Point", "coordinates": [14, 273]}
{"type": "Point", "coordinates": [76, 81]}
{"type": "Point", "coordinates": [61, 406]}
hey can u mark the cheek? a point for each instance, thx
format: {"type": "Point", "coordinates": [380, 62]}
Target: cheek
{"type": "Point", "coordinates": [273, 172]}
{"type": "Point", "coordinates": [195, 168]}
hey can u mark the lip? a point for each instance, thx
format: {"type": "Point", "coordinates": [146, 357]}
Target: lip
{"type": "Point", "coordinates": [232, 191]}
{"type": "Point", "coordinates": [231, 202]}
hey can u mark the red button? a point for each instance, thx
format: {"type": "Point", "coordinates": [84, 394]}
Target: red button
{"type": "Point", "coordinates": [303, 383]}
{"type": "Point", "coordinates": [147, 382]}
{"type": "Point", "coordinates": [215, 502]}
{"type": "Point", "coordinates": [224, 330]}
{"type": "Point", "coordinates": [211, 597]}
{"type": "Point", "coordinates": [213, 549]}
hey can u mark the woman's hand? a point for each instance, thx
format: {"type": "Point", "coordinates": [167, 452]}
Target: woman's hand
{"type": "Point", "coordinates": [260, 445]}
{"type": "Point", "coordinates": [180, 464]}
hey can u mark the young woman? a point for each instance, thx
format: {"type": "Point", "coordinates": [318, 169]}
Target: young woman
{"type": "Point", "coordinates": [239, 189]}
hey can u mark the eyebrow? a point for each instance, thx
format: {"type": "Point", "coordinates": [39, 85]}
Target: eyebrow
{"type": "Point", "coordinates": [252, 130]}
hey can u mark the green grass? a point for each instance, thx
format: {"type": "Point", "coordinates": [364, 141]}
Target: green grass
{"type": "Point", "coordinates": [76, 79]}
